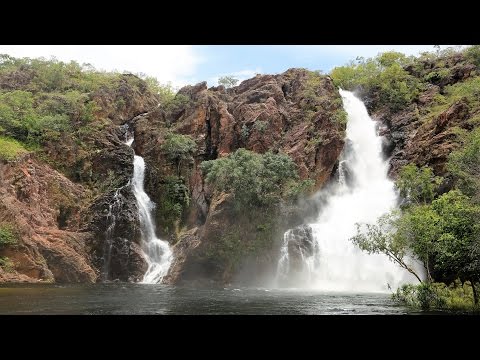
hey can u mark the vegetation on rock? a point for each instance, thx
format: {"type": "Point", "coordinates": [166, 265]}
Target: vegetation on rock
{"type": "Point", "coordinates": [8, 236]}
{"type": "Point", "coordinates": [227, 81]}
{"type": "Point", "coordinates": [10, 149]}
{"type": "Point", "coordinates": [254, 179]}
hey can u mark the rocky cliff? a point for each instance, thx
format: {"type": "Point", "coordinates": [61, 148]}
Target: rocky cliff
{"type": "Point", "coordinates": [70, 202]}
{"type": "Point", "coordinates": [429, 128]}
{"type": "Point", "coordinates": [67, 204]}
{"type": "Point", "coordinates": [67, 212]}
{"type": "Point", "coordinates": [297, 113]}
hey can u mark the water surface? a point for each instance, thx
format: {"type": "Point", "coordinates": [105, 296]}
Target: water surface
{"type": "Point", "coordinates": [115, 298]}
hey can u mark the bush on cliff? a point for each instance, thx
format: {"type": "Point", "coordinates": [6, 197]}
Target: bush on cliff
{"type": "Point", "coordinates": [10, 149]}
{"type": "Point", "coordinates": [383, 76]}
{"type": "Point", "coordinates": [8, 235]}
{"type": "Point", "coordinates": [255, 180]}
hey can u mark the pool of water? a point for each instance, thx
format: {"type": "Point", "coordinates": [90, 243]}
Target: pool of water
{"type": "Point", "coordinates": [117, 298]}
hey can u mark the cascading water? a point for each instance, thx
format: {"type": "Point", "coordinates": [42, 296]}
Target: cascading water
{"type": "Point", "coordinates": [337, 264]}
{"type": "Point", "coordinates": [157, 252]}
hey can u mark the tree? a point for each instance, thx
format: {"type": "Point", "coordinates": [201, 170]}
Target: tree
{"type": "Point", "coordinates": [444, 235]}
{"type": "Point", "coordinates": [380, 238]}
{"type": "Point", "coordinates": [227, 81]}
{"type": "Point", "coordinates": [418, 185]}
{"type": "Point", "coordinates": [456, 246]}
{"type": "Point", "coordinates": [178, 148]}
{"type": "Point", "coordinates": [255, 180]}
{"type": "Point", "coordinates": [464, 164]}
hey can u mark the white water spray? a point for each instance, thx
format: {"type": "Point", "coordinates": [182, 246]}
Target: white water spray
{"type": "Point", "coordinates": [337, 264]}
{"type": "Point", "coordinates": [157, 252]}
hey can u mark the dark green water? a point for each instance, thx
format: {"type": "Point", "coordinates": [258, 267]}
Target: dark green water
{"type": "Point", "coordinates": [161, 299]}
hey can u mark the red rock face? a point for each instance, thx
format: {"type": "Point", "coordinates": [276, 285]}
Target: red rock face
{"type": "Point", "coordinates": [265, 113]}
{"type": "Point", "coordinates": [261, 114]}
{"type": "Point", "coordinates": [45, 208]}
{"type": "Point", "coordinates": [62, 224]}
{"type": "Point", "coordinates": [424, 142]}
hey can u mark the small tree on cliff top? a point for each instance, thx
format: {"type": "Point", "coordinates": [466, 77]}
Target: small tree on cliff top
{"type": "Point", "coordinates": [227, 81]}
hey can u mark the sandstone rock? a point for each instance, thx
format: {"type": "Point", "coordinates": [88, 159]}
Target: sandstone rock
{"type": "Point", "coordinates": [51, 247]}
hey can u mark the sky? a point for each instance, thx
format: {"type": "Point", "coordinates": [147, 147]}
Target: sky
{"type": "Point", "coordinates": [189, 64]}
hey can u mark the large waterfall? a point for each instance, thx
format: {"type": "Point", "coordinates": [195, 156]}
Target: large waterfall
{"type": "Point", "coordinates": [331, 262]}
{"type": "Point", "coordinates": [157, 252]}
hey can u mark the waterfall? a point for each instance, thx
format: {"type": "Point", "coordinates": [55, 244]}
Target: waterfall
{"type": "Point", "coordinates": [337, 264]}
{"type": "Point", "coordinates": [156, 251]}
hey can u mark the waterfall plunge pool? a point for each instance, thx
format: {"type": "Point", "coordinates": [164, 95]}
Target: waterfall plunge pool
{"type": "Point", "coordinates": [123, 298]}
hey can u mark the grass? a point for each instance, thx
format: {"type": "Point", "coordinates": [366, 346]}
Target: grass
{"type": "Point", "coordinates": [10, 149]}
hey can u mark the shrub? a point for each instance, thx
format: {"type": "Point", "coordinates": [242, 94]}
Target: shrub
{"type": "Point", "coordinates": [174, 199]}
{"type": "Point", "coordinates": [8, 235]}
{"type": "Point", "coordinates": [473, 54]}
{"type": "Point", "coordinates": [464, 164]}
{"type": "Point", "coordinates": [10, 149]}
{"type": "Point", "coordinates": [418, 185]}
{"type": "Point", "coordinates": [255, 180]}
{"type": "Point", "coordinates": [178, 148]}
{"type": "Point", "coordinates": [6, 264]}
{"type": "Point", "coordinates": [383, 75]}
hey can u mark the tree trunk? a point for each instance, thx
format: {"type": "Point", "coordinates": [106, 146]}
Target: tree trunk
{"type": "Point", "coordinates": [429, 277]}
{"type": "Point", "coordinates": [475, 295]}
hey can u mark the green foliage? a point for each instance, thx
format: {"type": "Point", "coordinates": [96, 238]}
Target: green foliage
{"type": "Point", "coordinates": [260, 126]}
{"type": "Point", "coordinates": [245, 132]}
{"type": "Point", "coordinates": [383, 75]}
{"type": "Point", "coordinates": [473, 54]}
{"type": "Point", "coordinates": [254, 179]}
{"type": "Point", "coordinates": [380, 238]}
{"type": "Point", "coordinates": [108, 182]}
{"type": "Point", "coordinates": [8, 235]}
{"type": "Point", "coordinates": [298, 188]}
{"type": "Point", "coordinates": [340, 117]}
{"type": "Point", "coordinates": [165, 91]}
{"type": "Point", "coordinates": [437, 76]}
{"type": "Point", "coordinates": [6, 264]}
{"type": "Point", "coordinates": [178, 147]}
{"type": "Point", "coordinates": [418, 185]}
{"type": "Point", "coordinates": [464, 164]}
{"type": "Point", "coordinates": [10, 149]}
{"type": "Point", "coordinates": [173, 104]}
{"type": "Point", "coordinates": [443, 235]}
{"type": "Point", "coordinates": [422, 296]}
{"type": "Point", "coordinates": [17, 116]}
{"type": "Point", "coordinates": [313, 101]}
{"type": "Point", "coordinates": [437, 296]}
{"type": "Point", "coordinates": [458, 228]}
{"type": "Point", "coordinates": [227, 81]}
{"type": "Point", "coordinates": [174, 199]}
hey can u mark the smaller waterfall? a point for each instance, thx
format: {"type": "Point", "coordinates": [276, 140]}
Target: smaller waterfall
{"type": "Point", "coordinates": [156, 251]}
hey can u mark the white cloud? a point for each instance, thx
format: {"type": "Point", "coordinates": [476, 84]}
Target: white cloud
{"type": "Point", "coordinates": [174, 63]}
